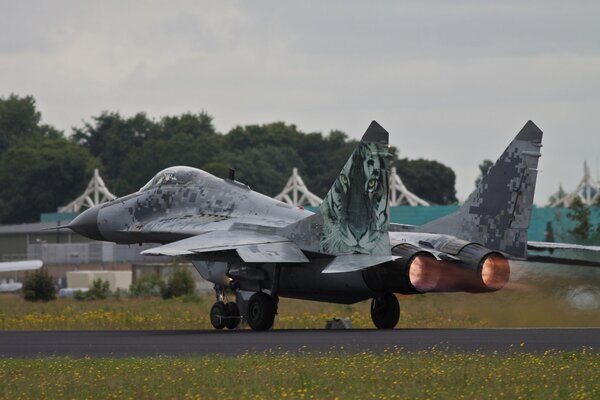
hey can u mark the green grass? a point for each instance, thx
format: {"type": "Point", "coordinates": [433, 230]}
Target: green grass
{"type": "Point", "coordinates": [393, 374]}
{"type": "Point", "coordinates": [507, 308]}
{"type": "Point", "coordinates": [540, 300]}
{"type": "Point", "coordinates": [536, 297]}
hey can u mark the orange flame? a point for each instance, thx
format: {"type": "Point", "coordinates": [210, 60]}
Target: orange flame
{"type": "Point", "coordinates": [424, 273]}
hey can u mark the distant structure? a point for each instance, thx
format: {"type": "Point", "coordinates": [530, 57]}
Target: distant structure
{"type": "Point", "coordinates": [296, 193]}
{"type": "Point", "coordinates": [588, 191]}
{"type": "Point", "coordinates": [400, 195]}
{"type": "Point", "coordinates": [95, 193]}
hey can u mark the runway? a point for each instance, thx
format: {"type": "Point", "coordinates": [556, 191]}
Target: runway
{"type": "Point", "coordinates": [203, 342]}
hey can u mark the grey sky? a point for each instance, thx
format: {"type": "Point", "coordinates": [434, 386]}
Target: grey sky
{"type": "Point", "coordinates": [451, 81]}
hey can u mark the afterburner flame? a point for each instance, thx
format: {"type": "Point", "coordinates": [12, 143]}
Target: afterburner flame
{"type": "Point", "coordinates": [424, 273]}
{"type": "Point", "coordinates": [495, 272]}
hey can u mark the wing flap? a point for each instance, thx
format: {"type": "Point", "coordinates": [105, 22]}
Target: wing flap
{"type": "Point", "coordinates": [285, 252]}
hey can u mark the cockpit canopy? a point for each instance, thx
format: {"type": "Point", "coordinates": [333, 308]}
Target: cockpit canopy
{"type": "Point", "coordinates": [176, 176]}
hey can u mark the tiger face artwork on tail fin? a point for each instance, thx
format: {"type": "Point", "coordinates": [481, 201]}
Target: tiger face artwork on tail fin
{"type": "Point", "coordinates": [355, 211]}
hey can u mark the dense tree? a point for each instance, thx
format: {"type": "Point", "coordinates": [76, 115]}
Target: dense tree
{"type": "Point", "coordinates": [580, 214]}
{"type": "Point", "coordinates": [113, 139]}
{"type": "Point", "coordinates": [217, 168]}
{"type": "Point", "coordinates": [133, 149]}
{"type": "Point", "coordinates": [324, 158]}
{"type": "Point", "coordinates": [263, 155]}
{"type": "Point", "coordinates": [41, 176]}
{"type": "Point", "coordinates": [429, 180]}
{"type": "Point", "coordinates": [20, 122]}
{"type": "Point", "coordinates": [40, 169]}
{"type": "Point", "coordinates": [157, 154]}
{"type": "Point", "coordinates": [265, 168]}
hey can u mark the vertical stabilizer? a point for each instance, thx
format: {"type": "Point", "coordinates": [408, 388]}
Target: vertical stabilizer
{"type": "Point", "coordinates": [355, 211]}
{"type": "Point", "coordinates": [498, 212]}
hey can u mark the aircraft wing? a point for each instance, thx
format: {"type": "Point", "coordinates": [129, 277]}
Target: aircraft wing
{"type": "Point", "coordinates": [355, 262]}
{"type": "Point", "coordinates": [577, 248]}
{"type": "Point", "coordinates": [13, 266]}
{"type": "Point", "coordinates": [250, 246]}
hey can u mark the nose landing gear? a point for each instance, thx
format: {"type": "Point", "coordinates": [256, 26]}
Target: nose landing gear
{"type": "Point", "coordinates": [224, 315]}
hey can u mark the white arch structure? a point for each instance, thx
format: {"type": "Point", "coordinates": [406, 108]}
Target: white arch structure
{"type": "Point", "coordinates": [588, 191]}
{"type": "Point", "coordinates": [296, 193]}
{"type": "Point", "coordinates": [400, 195]}
{"type": "Point", "coordinates": [95, 193]}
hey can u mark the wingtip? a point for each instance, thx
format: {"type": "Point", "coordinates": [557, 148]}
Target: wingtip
{"type": "Point", "coordinates": [376, 133]}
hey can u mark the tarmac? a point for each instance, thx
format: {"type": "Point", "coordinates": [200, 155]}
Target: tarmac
{"type": "Point", "coordinates": [238, 342]}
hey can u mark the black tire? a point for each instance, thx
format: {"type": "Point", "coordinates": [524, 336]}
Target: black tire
{"type": "Point", "coordinates": [233, 314]}
{"type": "Point", "coordinates": [261, 311]}
{"type": "Point", "coordinates": [385, 311]}
{"type": "Point", "coordinates": [218, 315]}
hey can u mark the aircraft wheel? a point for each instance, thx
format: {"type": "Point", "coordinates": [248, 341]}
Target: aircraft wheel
{"type": "Point", "coordinates": [218, 315]}
{"type": "Point", "coordinates": [261, 311]}
{"type": "Point", "coordinates": [385, 311]}
{"type": "Point", "coordinates": [233, 314]}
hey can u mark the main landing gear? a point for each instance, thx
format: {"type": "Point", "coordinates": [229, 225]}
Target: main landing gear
{"type": "Point", "coordinates": [385, 311]}
{"type": "Point", "coordinates": [260, 310]}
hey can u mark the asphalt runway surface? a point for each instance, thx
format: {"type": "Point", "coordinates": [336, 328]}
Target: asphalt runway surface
{"type": "Point", "coordinates": [203, 342]}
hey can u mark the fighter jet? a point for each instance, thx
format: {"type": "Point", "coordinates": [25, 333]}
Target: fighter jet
{"type": "Point", "coordinates": [348, 251]}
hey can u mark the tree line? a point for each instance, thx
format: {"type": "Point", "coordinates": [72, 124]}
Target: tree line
{"type": "Point", "coordinates": [42, 168]}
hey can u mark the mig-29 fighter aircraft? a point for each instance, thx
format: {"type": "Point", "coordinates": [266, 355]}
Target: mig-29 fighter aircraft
{"type": "Point", "coordinates": [346, 252]}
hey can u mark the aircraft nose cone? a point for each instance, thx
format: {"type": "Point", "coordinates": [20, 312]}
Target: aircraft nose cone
{"type": "Point", "coordinates": [86, 224]}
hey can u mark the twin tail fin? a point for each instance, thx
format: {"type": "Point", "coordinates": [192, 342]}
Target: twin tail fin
{"type": "Point", "coordinates": [497, 214]}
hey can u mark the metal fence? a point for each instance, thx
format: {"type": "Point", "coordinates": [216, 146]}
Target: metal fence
{"type": "Point", "coordinates": [89, 253]}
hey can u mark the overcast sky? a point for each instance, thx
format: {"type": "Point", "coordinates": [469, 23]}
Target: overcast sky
{"type": "Point", "coordinates": [451, 81]}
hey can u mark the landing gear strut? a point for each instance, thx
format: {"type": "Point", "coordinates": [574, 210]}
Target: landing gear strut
{"type": "Point", "coordinates": [385, 311]}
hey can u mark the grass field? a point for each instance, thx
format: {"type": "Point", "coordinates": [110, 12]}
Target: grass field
{"type": "Point", "coordinates": [552, 298]}
{"type": "Point", "coordinates": [393, 374]}
{"type": "Point", "coordinates": [502, 309]}
{"type": "Point", "coordinates": [546, 297]}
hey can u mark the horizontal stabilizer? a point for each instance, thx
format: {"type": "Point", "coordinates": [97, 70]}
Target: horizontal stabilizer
{"type": "Point", "coordinates": [355, 262]}
{"type": "Point", "coordinates": [570, 259]}
{"type": "Point", "coordinates": [560, 246]}
{"type": "Point", "coordinates": [563, 261]}
{"type": "Point", "coordinates": [14, 266]}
